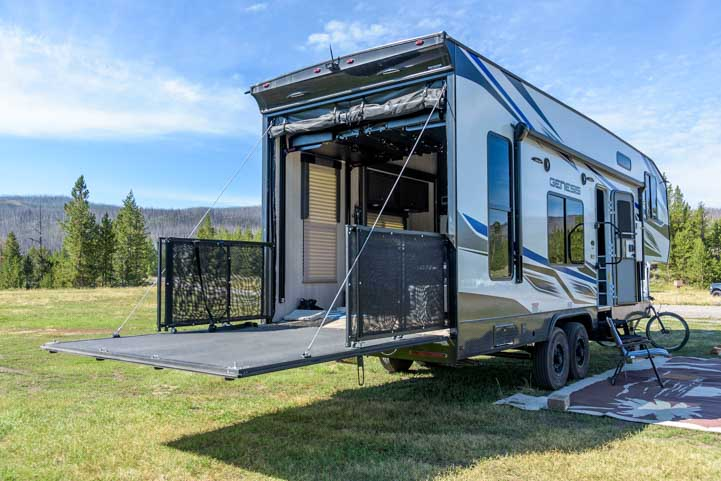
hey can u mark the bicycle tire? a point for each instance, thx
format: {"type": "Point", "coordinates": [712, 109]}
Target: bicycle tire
{"type": "Point", "coordinates": [636, 317]}
{"type": "Point", "coordinates": [657, 342]}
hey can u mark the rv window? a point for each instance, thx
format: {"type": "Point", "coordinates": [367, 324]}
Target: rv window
{"type": "Point", "coordinates": [499, 207]}
{"type": "Point", "coordinates": [574, 227]}
{"type": "Point", "coordinates": [556, 230]}
{"type": "Point", "coordinates": [387, 221]}
{"type": "Point", "coordinates": [650, 196]}
{"type": "Point", "coordinates": [654, 197]}
{"type": "Point", "coordinates": [623, 161]}
{"type": "Point", "coordinates": [565, 230]}
{"type": "Point", "coordinates": [647, 195]}
{"type": "Point", "coordinates": [320, 223]}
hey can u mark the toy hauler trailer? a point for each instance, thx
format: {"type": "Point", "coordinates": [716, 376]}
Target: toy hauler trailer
{"type": "Point", "coordinates": [517, 223]}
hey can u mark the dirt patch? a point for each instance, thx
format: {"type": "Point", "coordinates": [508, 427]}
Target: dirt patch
{"type": "Point", "coordinates": [712, 313]}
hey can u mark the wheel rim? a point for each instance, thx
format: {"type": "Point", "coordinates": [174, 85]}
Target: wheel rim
{"type": "Point", "coordinates": [559, 359]}
{"type": "Point", "coordinates": [667, 332]}
{"type": "Point", "coordinates": [580, 352]}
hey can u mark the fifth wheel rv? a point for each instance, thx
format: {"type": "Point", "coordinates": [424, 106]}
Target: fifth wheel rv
{"type": "Point", "coordinates": [436, 205]}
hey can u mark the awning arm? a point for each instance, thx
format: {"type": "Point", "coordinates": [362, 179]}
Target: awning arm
{"type": "Point", "coordinates": [565, 149]}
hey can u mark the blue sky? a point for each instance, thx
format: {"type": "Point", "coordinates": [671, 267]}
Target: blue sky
{"type": "Point", "coordinates": [150, 95]}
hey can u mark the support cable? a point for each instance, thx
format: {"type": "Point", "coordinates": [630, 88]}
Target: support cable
{"type": "Point", "coordinates": [307, 353]}
{"type": "Point", "coordinates": [232, 178]}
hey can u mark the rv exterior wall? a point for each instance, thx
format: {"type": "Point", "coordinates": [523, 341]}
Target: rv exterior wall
{"type": "Point", "coordinates": [488, 103]}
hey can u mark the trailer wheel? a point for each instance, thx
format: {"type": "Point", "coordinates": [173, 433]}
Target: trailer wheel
{"type": "Point", "coordinates": [551, 361]}
{"type": "Point", "coordinates": [579, 349]}
{"type": "Point", "coordinates": [394, 365]}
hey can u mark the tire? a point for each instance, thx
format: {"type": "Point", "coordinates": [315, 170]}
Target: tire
{"type": "Point", "coordinates": [579, 349]}
{"type": "Point", "coordinates": [674, 334]}
{"type": "Point", "coordinates": [551, 361]}
{"type": "Point", "coordinates": [394, 365]}
{"type": "Point", "coordinates": [716, 293]}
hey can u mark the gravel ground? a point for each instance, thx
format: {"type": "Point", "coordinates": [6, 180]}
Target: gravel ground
{"type": "Point", "coordinates": [694, 312]}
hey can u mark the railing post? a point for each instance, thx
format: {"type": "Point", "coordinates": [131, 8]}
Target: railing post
{"type": "Point", "coordinates": [227, 282]}
{"type": "Point", "coordinates": [168, 285]}
{"type": "Point", "coordinates": [160, 282]}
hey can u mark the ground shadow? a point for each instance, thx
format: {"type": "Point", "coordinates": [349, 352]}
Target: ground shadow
{"type": "Point", "coordinates": [413, 428]}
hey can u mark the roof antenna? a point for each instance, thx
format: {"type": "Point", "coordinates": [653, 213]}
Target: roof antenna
{"type": "Point", "coordinates": [334, 64]}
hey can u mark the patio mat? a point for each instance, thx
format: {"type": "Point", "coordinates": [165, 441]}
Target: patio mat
{"type": "Point", "coordinates": [691, 398]}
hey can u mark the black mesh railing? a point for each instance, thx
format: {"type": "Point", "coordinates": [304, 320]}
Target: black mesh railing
{"type": "Point", "coordinates": [399, 285]}
{"type": "Point", "coordinates": [210, 282]}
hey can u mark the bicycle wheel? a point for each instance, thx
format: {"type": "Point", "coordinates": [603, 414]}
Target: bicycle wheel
{"type": "Point", "coordinates": [634, 321]}
{"type": "Point", "coordinates": [667, 330]}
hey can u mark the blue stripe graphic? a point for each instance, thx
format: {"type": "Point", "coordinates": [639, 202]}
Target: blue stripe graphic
{"type": "Point", "coordinates": [476, 225]}
{"type": "Point", "coordinates": [500, 89]}
{"type": "Point", "coordinates": [527, 95]}
{"type": "Point", "coordinates": [483, 230]}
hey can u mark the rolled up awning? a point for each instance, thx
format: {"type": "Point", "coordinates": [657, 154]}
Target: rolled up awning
{"type": "Point", "coordinates": [410, 103]}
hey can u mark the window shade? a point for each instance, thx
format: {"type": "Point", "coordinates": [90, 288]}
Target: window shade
{"type": "Point", "coordinates": [320, 232]}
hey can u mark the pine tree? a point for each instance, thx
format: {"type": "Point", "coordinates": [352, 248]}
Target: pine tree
{"type": "Point", "coordinates": [105, 250]}
{"type": "Point", "coordinates": [11, 267]}
{"type": "Point", "coordinates": [79, 244]}
{"type": "Point", "coordinates": [713, 246]}
{"type": "Point", "coordinates": [132, 247]}
{"type": "Point", "coordinates": [41, 260]}
{"type": "Point", "coordinates": [206, 229]}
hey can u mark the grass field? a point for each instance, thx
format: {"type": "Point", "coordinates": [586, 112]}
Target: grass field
{"type": "Point", "coordinates": [687, 295]}
{"type": "Point", "coordinates": [70, 418]}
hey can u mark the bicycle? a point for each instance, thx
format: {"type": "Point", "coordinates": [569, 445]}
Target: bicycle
{"type": "Point", "coordinates": [666, 330]}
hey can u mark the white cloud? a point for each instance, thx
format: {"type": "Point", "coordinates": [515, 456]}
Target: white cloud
{"type": "Point", "coordinates": [64, 90]}
{"type": "Point", "coordinates": [256, 7]}
{"type": "Point", "coordinates": [350, 36]}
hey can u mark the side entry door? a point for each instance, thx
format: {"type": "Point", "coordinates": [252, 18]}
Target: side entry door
{"type": "Point", "coordinates": [624, 248]}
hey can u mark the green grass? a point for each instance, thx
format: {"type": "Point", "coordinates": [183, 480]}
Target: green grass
{"type": "Point", "coordinates": [70, 418]}
{"type": "Point", "coordinates": [666, 293]}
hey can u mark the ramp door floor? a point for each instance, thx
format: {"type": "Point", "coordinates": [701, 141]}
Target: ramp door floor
{"type": "Point", "coordinates": [234, 353]}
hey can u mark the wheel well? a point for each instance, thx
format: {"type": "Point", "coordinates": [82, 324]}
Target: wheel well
{"type": "Point", "coordinates": [581, 317]}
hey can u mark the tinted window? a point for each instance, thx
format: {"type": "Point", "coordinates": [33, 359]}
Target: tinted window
{"type": "Point", "coordinates": [499, 172]}
{"type": "Point", "coordinates": [650, 196]}
{"type": "Point", "coordinates": [556, 230]}
{"type": "Point", "coordinates": [624, 213]}
{"type": "Point", "coordinates": [499, 244]}
{"type": "Point", "coordinates": [574, 227]}
{"type": "Point", "coordinates": [647, 195]}
{"type": "Point", "coordinates": [654, 198]}
{"type": "Point", "coordinates": [499, 207]}
{"type": "Point", "coordinates": [623, 161]}
{"type": "Point", "coordinates": [565, 230]}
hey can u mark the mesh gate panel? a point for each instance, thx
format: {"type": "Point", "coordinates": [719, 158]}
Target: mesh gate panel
{"type": "Point", "coordinates": [208, 282]}
{"type": "Point", "coordinates": [399, 284]}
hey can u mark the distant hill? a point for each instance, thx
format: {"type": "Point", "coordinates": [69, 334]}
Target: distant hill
{"type": "Point", "coordinates": [21, 214]}
{"type": "Point", "coordinates": [713, 213]}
